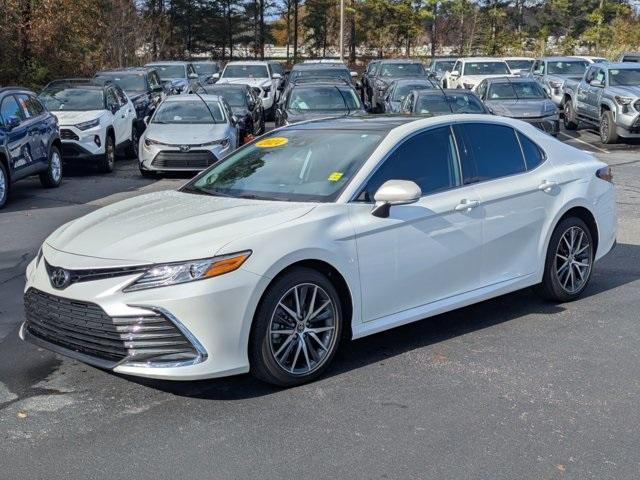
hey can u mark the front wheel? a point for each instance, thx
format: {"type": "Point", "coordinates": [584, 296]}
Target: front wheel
{"type": "Point", "coordinates": [569, 261]}
{"type": "Point", "coordinates": [4, 184]}
{"type": "Point", "coordinates": [132, 149]}
{"type": "Point", "coordinates": [297, 329]}
{"type": "Point", "coordinates": [608, 132]}
{"type": "Point", "coordinates": [108, 160]}
{"type": "Point", "coordinates": [569, 118]}
{"type": "Point", "coordinates": [52, 176]}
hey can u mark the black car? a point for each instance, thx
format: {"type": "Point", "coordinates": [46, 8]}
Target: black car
{"type": "Point", "coordinates": [367, 85]}
{"type": "Point", "coordinates": [399, 89]}
{"type": "Point", "coordinates": [442, 102]}
{"type": "Point", "coordinates": [245, 105]}
{"type": "Point", "coordinates": [29, 141]}
{"type": "Point", "coordinates": [386, 71]}
{"type": "Point", "coordinates": [308, 101]}
{"type": "Point", "coordinates": [142, 86]}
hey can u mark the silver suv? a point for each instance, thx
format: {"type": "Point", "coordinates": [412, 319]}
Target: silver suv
{"type": "Point", "coordinates": [553, 72]}
{"type": "Point", "coordinates": [608, 96]}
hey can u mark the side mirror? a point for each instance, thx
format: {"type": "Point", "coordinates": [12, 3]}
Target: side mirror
{"type": "Point", "coordinates": [431, 75]}
{"type": "Point", "coordinates": [193, 76]}
{"type": "Point", "coordinates": [537, 72]}
{"type": "Point", "coordinates": [251, 105]}
{"type": "Point", "coordinates": [157, 88]}
{"type": "Point", "coordinates": [547, 90]}
{"type": "Point", "coordinates": [395, 192]}
{"type": "Point", "coordinates": [114, 109]}
{"type": "Point", "coordinates": [234, 119]}
{"type": "Point", "coordinates": [276, 76]}
{"type": "Point", "coordinates": [353, 74]}
{"type": "Point", "coordinates": [281, 86]}
{"type": "Point", "coordinates": [215, 76]}
{"type": "Point", "coordinates": [455, 73]}
{"type": "Point", "coordinates": [12, 122]}
{"type": "Point", "coordinates": [146, 119]}
{"type": "Point", "coordinates": [596, 83]}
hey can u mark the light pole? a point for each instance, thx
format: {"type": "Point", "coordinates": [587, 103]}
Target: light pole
{"type": "Point", "coordinates": [342, 30]}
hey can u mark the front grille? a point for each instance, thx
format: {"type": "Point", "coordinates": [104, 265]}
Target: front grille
{"type": "Point", "coordinates": [76, 276]}
{"type": "Point", "coordinates": [85, 328]}
{"type": "Point", "coordinates": [66, 134]}
{"type": "Point", "coordinates": [194, 160]}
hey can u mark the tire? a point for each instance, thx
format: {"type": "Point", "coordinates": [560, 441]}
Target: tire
{"type": "Point", "coordinates": [4, 184]}
{"type": "Point", "coordinates": [569, 117]}
{"type": "Point", "coordinates": [307, 346]}
{"type": "Point", "coordinates": [608, 128]}
{"type": "Point", "coordinates": [559, 282]}
{"type": "Point", "coordinates": [132, 149]}
{"type": "Point", "coordinates": [108, 160]}
{"type": "Point", "coordinates": [52, 177]}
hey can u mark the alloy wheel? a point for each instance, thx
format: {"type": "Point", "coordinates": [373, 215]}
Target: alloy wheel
{"type": "Point", "coordinates": [111, 154]}
{"type": "Point", "coordinates": [302, 330]}
{"type": "Point", "coordinates": [604, 129]}
{"type": "Point", "coordinates": [3, 185]}
{"type": "Point", "coordinates": [56, 167]}
{"type": "Point", "coordinates": [134, 142]}
{"type": "Point", "coordinates": [573, 259]}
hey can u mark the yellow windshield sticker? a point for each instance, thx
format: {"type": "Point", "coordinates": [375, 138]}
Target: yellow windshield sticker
{"type": "Point", "coordinates": [272, 142]}
{"type": "Point", "coordinates": [335, 176]}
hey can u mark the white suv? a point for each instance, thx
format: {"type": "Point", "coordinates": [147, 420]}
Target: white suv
{"type": "Point", "coordinates": [469, 72]}
{"type": "Point", "coordinates": [96, 121]}
{"type": "Point", "coordinates": [257, 75]}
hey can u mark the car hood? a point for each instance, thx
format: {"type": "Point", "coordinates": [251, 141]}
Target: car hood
{"type": "Point", "coordinates": [562, 78]}
{"type": "Point", "coordinates": [476, 79]}
{"type": "Point", "coordinates": [71, 117]}
{"type": "Point", "coordinates": [252, 82]}
{"type": "Point", "coordinates": [625, 90]}
{"type": "Point", "coordinates": [191, 134]}
{"type": "Point", "coordinates": [170, 226]}
{"type": "Point", "coordinates": [521, 108]}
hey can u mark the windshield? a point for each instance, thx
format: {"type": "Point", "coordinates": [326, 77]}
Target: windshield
{"type": "Point", "coordinates": [443, 65]}
{"type": "Point", "coordinates": [206, 68]}
{"type": "Point", "coordinates": [402, 90]}
{"type": "Point", "coordinates": [291, 165]}
{"type": "Point", "coordinates": [128, 82]}
{"type": "Point", "coordinates": [342, 73]}
{"type": "Point", "coordinates": [235, 97]}
{"type": "Point", "coordinates": [520, 64]}
{"type": "Point", "coordinates": [486, 68]}
{"type": "Point", "coordinates": [402, 69]}
{"type": "Point", "coordinates": [277, 68]}
{"type": "Point", "coordinates": [188, 111]}
{"type": "Point", "coordinates": [624, 77]}
{"type": "Point", "coordinates": [245, 71]}
{"type": "Point", "coordinates": [567, 68]}
{"type": "Point", "coordinates": [170, 72]}
{"type": "Point", "coordinates": [76, 99]}
{"type": "Point", "coordinates": [516, 90]}
{"type": "Point", "coordinates": [458, 102]}
{"type": "Point", "coordinates": [323, 98]}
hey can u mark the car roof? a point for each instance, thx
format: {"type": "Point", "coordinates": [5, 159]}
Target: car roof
{"type": "Point", "coordinates": [518, 58]}
{"type": "Point", "coordinates": [322, 83]}
{"type": "Point", "coordinates": [619, 65]}
{"type": "Point", "coordinates": [399, 60]}
{"type": "Point", "coordinates": [192, 96]}
{"type": "Point", "coordinates": [510, 80]}
{"type": "Point", "coordinates": [166, 62]}
{"type": "Point", "coordinates": [10, 88]}
{"type": "Point", "coordinates": [206, 61]}
{"type": "Point", "coordinates": [481, 59]}
{"type": "Point", "coordinates": [319, 66]}
{"type": "Point", "coordinates": [248, 62]}
{"type": "Point", "coordinates": [124, 70]}
{"type": "Point", "coordinates": [565, 58]}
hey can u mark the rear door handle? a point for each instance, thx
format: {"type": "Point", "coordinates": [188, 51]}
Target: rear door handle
{"type": "Point", "coordinates": [466, 205]}
{"type": "Point", "coordinates": [547, 186]}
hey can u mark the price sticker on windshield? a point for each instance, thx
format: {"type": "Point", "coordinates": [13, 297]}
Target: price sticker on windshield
{"type": "Point", "coordinates": [335, 176]}
{"type": "Point", "coordinates": [272, 142]}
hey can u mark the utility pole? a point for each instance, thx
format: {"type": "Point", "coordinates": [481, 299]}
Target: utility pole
{"type": "Point", "coordinates": [342, 30]}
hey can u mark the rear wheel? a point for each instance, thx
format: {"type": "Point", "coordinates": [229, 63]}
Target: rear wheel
{"type": "Point", "coordinates": [108, 160]}
{"type": "Point", "coordinates": [569, 261]}
{"type": "Point", "coordinates": [52, 177]}
{"type": "Point", "coordinates": [569, 119]}
{"type": "Point", "coordinates": [297, 329]}
{"type": "Point", "coordinates": [132, 149]}
{"type": "Point", "coordinates": [608, 132]}
{"type": "Point", "coordinates": [4, 184]}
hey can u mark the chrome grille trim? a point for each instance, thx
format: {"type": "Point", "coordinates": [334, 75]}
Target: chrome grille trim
{"type": "Point", "coordinates": [88, 275]}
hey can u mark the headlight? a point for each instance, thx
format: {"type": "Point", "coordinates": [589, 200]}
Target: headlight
{"type": "Point", "coordinates": [88, 125]}
{"type": "Point", "coordinates": [468, 86]}
{"type": "Point", "coordinates": [624, 101]}
{"type": "Point", "coordinates": [224, 143]}
{"type": "Point", "coordinates": [176, 273]}
{"type": "Point", "coordinates": [39, 257]}
{"type": "Point", "coordinates": [150, 141]}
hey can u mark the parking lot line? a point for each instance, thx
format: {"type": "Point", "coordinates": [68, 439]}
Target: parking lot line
{"type": "Point", "coordinates": [601, 150]}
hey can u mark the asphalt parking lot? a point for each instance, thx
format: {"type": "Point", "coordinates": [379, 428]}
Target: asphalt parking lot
{"type": "Point", "coordinates": [510, 388]}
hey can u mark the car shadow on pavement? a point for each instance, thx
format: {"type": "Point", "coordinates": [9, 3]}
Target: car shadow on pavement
{"type": "Point", "coordinates": [615, 270]}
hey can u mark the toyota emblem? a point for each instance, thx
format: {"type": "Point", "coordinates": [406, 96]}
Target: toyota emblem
{"type": "Point", "coordinates": [60, 278]}
{"type": "Point", "coordinates": [185, 148]}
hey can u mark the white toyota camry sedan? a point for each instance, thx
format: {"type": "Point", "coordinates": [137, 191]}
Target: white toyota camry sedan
{"type": "Point", "coordinates": [317, 233]}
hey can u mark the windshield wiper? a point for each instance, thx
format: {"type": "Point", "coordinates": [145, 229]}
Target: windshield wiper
{"type": "Point", "coordinates": [205, 191]}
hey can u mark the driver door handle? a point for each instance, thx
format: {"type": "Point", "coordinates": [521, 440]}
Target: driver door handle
{"type": "Point", "coordinates": [546, 186]}
{"type": "Point", "coordinates": [466, 205]}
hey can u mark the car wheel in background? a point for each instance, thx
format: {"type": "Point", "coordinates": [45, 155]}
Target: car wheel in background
{"type": "Point", "coordinates": [108, 160]}
{"type": "Point", "coordinates": [296, 329]}
{"type": "Point", "coordinates": [569, 261]}
{"type": "Point", "coordinates": [52, 177]}
{"type": "Point", "coordinates": [132, 149]}
{"type": "Point", "coordinates": [608, 132]}
{"type": "Point", "coordinates": [569, 117]}
{"type": "Point", "coordinates": [4, 185]}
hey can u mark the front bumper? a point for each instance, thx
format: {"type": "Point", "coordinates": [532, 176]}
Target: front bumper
{"type": "Point", "coordinates": [164, 158]}
{"type": "Point", "coordinates": [550, 125]}
{"type": "Point", "coordinates": [81, 144]}
{"type": "Point", "coordinates": [628, 124]}
{"type": "Point", "coordinates": [214, 315]}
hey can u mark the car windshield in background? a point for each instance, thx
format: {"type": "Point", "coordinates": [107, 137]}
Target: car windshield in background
{"type": "Point", "coordinates": [520, 64]}
{"type": "Point", "coordinates": [402, 69]}
{"type": "Point", "coordinates": [403, 90]}
{"type": "Point", "coordinates": [205, 68]}
{"type": "Point", "coordinates": [277, 68]}
{"type": "Point", "coordinates": [234, 96]}
{"type": "Point", "coordinates": [342, 73]}
{"type": "Point", "coordinates": [128, 82]}
{"type": "Point", "coordinates": [76, 99]}
{"type": "Point", "coordinates": [566, 68]}
{"type": "Point", "coordinates": [516, 91]}
{"type": "Point", "coordinates": [626, 77]}
{"type": "Point", "coordinates": [486, 68]}
{"type": "Point", "coordinates": [245, 71]}
{"type": "Point", "coordinates": [291, 165]}
{"type": "Point", "coordinates": [169, 72]}
{"type": "Point", "coordinates": [190, 111]}
{"type": "Point", "coordinates": [330, 98]}
{"type": "Point", "coordinates": [443, 65]}
{"type": "Point", "coordinates": [454, 103]}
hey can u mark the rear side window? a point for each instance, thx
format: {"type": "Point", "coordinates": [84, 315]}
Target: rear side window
{"type": "Point", "coordinates": [429, 158]}
{"type": "Point", "coordinates": [10, 108]}
{"type": "Point", "coordinates": [493, 151]}
{"type": "Point", "coordinates": [533, 155]}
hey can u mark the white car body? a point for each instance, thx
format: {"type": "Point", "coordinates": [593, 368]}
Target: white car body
{"type": "Point", "coordinates": [518, 71]}
{"type": "Point", "coordinates": [470, 82]}
{"type": "Point", "coordinates": [423, 259]}
{"type": "Point", "coordinates": [268, 86]}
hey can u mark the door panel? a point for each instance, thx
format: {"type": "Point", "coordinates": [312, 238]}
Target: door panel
{"type": "Point", "coordinates": [18, 140]}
